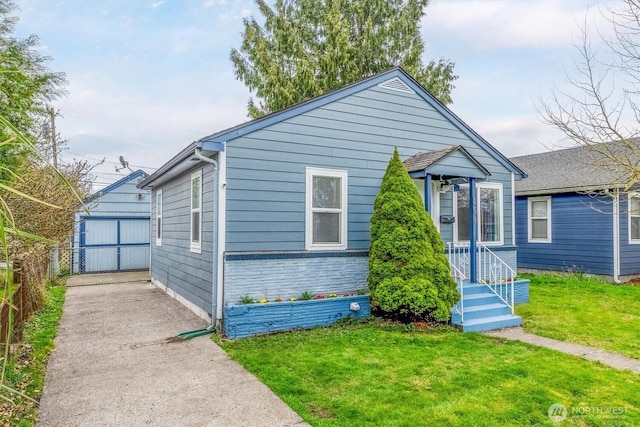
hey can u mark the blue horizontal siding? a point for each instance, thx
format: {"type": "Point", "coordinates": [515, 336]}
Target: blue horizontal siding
{"type": "Point", "coordinates": [629, 252]}
{"type": "Point", "coordinates": [581, 234]}
{"type": "Point", "coordinates": [266, 169]}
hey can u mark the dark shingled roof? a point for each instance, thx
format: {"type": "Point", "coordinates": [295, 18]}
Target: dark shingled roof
{"type": "Point", "coordinates": [421, 161]}
{"type": "Point", "coordinates": [577, 169]}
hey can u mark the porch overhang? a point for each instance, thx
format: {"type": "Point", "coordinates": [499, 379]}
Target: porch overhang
{"type": "Point", "coordinates": [449, 164]}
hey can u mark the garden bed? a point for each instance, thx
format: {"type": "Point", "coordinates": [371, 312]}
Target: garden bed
{"type": "Point", "coordinates": [243, 320]}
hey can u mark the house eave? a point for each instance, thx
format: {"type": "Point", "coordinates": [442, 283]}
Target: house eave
{"type": "Point", "coordinates": [565, 190]}
{"type": "Point", "coordinates": [113, 186]}
{"type": "Point", "coordinates": [180, 163]}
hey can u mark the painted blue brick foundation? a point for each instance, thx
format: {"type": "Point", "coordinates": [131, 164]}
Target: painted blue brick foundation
{"type": "Point", "coordinates": [284, 275]}
{"type": "Point", "coordinates": [256, 319]}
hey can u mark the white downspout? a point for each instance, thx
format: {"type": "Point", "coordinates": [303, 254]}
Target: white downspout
{"type": "Point", "coordinates": [216, 280]}
{"type": "Point", "coordinates": [222, 230]}
{"type": "Point", "coordinates": [616, 237]}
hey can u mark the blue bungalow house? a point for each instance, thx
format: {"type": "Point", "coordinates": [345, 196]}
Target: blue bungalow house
{"type": "Point", "coordinates": [573, 214]}
{"type": "Point", "coordinates": [114, 234]}
{"type": "Point", "coordinates": [281, 205]}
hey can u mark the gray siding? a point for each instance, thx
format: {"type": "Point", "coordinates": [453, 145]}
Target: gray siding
{"type": "Point", "coordinates": [266, 169]}
{"type": "Point", "coordinates": [173, 264]}
{"type": "Point", "coordinates": [121, 201]}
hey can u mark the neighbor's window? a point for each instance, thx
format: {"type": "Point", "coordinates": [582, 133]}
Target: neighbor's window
{"type": "Point", "coordinates": [159, 217]}
{"type": "Point", "coordinates": [634, 218]}
{"type": "Point", "coordinates": [326, 209]}
{"type": "Point", "coordinates": [489, 208]}
{"type": "Point", "coordinates": [196, 211]}
{"type": "Point", "coordinates": [539, 219]}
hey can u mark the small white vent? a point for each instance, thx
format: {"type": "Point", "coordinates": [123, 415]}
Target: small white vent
{"type": "Point", "coordinates": [397, 85]}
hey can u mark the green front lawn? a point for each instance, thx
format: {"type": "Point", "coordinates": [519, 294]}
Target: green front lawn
{"type": "Point", "coordinates": [379, 375]}
{"type": "Point", "coordinates": [584, 310]}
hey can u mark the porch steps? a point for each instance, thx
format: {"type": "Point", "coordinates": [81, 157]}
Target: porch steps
{"type": "Point", "coordinates": [484, 311]}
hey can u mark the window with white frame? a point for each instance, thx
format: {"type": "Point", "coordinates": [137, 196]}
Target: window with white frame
{"type": "Point", "coordinates": [326, 209]}
{"type": "Point", "coordinates": [159, 217]}
{"type": "Point", "coordinates": [196, 211]}
{"type": "Point", "coordinates": [634, 218]}
{"type": "Point", "coordinates": [489, 208]}
{"type": "Point", "coordinates": [539, 219]}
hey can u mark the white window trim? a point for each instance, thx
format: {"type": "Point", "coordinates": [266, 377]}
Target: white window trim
{"type": "Point", "coordinates": [530, 219]}
{"type": "Point", "coordinates": [159, 229]}
{"type": "Point", "coordinates": [479, 185]}
{"type": "Point", "coordinates": [631, 196]}
{"type": "Point", "coordinates": [309, 210]}
{"type": "Point", "coordinates": [195, 246]}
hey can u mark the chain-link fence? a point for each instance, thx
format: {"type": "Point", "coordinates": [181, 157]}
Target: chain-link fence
{"type": "Point", "coordinates": [98, 259]}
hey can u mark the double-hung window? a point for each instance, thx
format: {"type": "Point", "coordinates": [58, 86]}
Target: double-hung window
{"type": "Point", "coordinates": [159, 218]}
{"type": "Point", "coordinates": [196, 211]}
{"type": "Point", "coordinates": [326, 209]}
{"type": "Point", "coordinates": [634, 218]}
{"type": "Point", "coordinates": [539, 209]}
{"type": "Point", "coordinates": [489, 209]}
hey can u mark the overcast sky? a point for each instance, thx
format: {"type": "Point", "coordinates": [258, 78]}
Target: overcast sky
{"type": "Point", "coordinates": [146, 78]}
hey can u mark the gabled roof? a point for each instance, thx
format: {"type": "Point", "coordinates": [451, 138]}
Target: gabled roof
{"type": "Point", "coordinates": [576, 169]}
{"type": "Point", "coordinates": [397, 74]}
{"type": "Point", "coordinates": [434, 162]}
{"type": "Point", "coordinates": [134, 175]}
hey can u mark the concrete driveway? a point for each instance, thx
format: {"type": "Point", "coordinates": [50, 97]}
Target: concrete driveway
{"type": "Point", "coordinates": [116, 363]}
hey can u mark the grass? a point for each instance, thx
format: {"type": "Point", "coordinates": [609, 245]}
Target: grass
{"type": "Point", "coordinates": [26, 370]}
{"type": "Point", "coordinates": [378, 375]}
{"type": "Point", "coordinates": [584, 310]}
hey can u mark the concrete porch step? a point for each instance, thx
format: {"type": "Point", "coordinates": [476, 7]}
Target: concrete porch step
{"type": "Point", "coordinates": [491, 323]}
{"type": "Point", "coordinates": [484, 310]}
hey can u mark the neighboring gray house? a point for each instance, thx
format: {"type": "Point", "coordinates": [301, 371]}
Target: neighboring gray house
{"type": "Point", "coordinates": [281, 205]}
{"type": "Point", "coordinates": [574, 214]}
{"type": "Point", "coordinates": [114, 234]}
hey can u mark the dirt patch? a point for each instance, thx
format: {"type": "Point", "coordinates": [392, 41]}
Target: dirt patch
{"type": "Point", "coordinates": [162, 342]}
{"type": "Point", "coordinates": [323, 413]}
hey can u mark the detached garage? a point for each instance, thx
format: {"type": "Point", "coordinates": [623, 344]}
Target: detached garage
{"type": "Point", "coordinates": [114, 235]}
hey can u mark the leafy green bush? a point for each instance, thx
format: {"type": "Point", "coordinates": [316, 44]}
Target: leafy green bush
{"type": "Point", "coordinates": [409, 275]}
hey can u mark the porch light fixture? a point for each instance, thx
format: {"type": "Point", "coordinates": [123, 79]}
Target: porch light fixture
{"type": "Point", "coordinates": [443, 187]}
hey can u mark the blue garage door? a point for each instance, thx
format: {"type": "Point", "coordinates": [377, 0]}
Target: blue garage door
{"type": "Point", "coordinates": [114, 244]}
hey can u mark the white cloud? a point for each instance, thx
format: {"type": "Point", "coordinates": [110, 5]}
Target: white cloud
{"type": "Point", "coordinates": [488, 25]}
{"type": "Point", "coordinates": [157, 4]}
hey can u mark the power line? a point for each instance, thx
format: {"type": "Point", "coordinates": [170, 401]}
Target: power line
{"type": "Point", "coordinates": [107, 161]}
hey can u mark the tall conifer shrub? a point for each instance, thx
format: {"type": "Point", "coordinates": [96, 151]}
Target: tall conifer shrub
{"type": "Point", "coordinates": [409, 276]}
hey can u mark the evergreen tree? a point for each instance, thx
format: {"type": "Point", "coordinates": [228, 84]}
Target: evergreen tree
{"type": "Point", "coordinates": [26, 87]}
{"type": "Point", "coordinates": [310, 47]}
{"type": "Point", "coordinates": [409, 277]}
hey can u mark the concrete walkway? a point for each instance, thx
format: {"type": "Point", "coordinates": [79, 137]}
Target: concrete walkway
{"type": "Point", "coordinates": [107, 278]}
{"type": "Point", "coordinates": [117, 363]}
{"type": "Point", "coordinates": [614, 360]}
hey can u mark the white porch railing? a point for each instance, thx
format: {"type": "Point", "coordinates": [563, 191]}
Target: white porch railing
{"type": "Point", "coordinates": [459, 277]}
{"type": "Point", "coordinates": [491, 270]}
